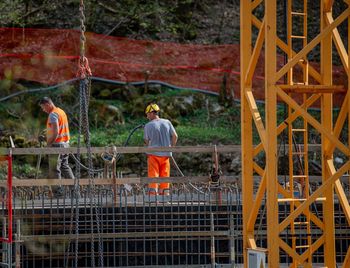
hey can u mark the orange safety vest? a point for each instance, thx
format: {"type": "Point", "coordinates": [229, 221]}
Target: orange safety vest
{"type": "Point", "coordinates": [63, 128]}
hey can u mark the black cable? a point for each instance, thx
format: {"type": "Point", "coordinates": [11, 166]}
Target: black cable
{"type": "Point", "coordinates": [94, 78]}
{"type": "Point", "coordinates": [85, 167]}
{"type": "Point", "coordinates": [180, 171]}
{"type": "Point", "coordinates": [132, 132]}
{"type": "Point", "coordinates": [118, 156]}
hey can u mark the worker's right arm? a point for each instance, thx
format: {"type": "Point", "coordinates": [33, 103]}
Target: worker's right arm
{"type": "Point", "coordinates": [51, 138]}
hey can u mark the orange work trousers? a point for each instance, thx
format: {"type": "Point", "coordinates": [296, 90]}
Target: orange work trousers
{"type": "Point", "coordinates": [158, 166]}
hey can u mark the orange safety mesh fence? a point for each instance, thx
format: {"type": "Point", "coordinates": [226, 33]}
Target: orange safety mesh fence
{"type": "Point", "coordinates": [50, 56]}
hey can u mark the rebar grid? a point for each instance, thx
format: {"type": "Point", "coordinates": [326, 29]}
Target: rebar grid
{"type": "Point", "coordinates": [188, 227]}
{"type": "Point", "coordinates": [193, 226]}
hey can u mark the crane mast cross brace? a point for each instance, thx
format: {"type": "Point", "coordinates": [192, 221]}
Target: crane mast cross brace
{"type": "Point", "coordinates": [298, 87]}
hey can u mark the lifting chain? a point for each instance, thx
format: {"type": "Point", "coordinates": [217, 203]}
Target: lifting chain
{"type": "Point", "coordinates": [84, 73]}
{"type": "Point", "coordinates": [82, 28]}
{"type": "Point", "coordinates": [94, 208]}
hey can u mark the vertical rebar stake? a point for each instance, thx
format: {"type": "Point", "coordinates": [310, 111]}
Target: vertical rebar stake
{"type": "Point", "coordinates": [232, 242]}
{"type": "Point", "coordinates": [212, 246]}
{"type": "Point", "coordinates": [18, 245]}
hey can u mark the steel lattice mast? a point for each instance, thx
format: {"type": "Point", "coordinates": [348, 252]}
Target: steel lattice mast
{"type": "Point", "coordinates": [303, 86]}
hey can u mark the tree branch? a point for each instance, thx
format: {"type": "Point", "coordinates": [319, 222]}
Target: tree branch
{"type": "Point", "coordinates": [108, 8]}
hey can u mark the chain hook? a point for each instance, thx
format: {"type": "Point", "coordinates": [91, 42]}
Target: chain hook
{"type": "Point", "coordinates": [84, 70]}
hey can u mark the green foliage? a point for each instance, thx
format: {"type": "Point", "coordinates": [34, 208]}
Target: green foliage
{"type": "Point", "coordinates": [113, 136]}
{"type": "Point", "coordinates": [113, 117]}
{"type": "Point", "coordinates": [10, 13]}
{"type": "Point", "coordinates": [210, 135]}
{"type": "Point", "coordinates": [132, 17]}
{"type": "Point", "coordinates": [24, 170]}
{"type": "Point", "coordinates": [152, 17]}
{"type": "Point", "coordinates": [197, 125]}
{"type": "Point", "coordinates": [3, 172]}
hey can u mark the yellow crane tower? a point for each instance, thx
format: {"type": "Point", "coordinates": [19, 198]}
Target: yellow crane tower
{"type": "Point", "coordinates": [298, 86]}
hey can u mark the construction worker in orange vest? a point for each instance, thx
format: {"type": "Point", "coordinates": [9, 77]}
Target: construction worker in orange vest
{"type": "Point", "coordinates": [158, 132]}
{"type": "Point", "coordinates": [57, 135]}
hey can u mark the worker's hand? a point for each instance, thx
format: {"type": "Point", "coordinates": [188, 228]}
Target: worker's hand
{"type": "Point", "coordinates": [41, 138]}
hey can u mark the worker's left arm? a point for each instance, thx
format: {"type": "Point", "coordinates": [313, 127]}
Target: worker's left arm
{"type": "Point", "coordinates": [174, 138]}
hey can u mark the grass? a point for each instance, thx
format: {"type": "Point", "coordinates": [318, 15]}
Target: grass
{"type": "Point", "coordinates": [201, 125]}
{"type": "Point", "coordinates": [192, 130]}
{"type": "Point", "coordinates": [188, 135]}
{"type": "Point", "coordinates": [209, 135]}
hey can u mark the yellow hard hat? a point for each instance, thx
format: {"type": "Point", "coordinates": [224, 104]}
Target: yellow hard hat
{"type": "Point", "coordinates": [152, 108]}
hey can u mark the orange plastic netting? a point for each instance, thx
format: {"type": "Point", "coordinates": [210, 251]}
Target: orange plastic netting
{"type": "Point", "coordinates": [50, 56]}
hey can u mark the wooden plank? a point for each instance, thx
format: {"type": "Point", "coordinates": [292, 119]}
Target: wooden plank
{"type": "Point", "coordinates": [121, 150]}
{"type": "Point", "coordinates": [117, 181]}
{"type": "Point", "coordinates": [144, 180]}
{"type": "Point", "coordinates": [174, 234]}
{"type": "Point", "coordinates": [130, 150]}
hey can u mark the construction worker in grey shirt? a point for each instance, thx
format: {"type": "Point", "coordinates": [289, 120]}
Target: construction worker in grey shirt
{"type": "Point", "coordinates": [158, 132]}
